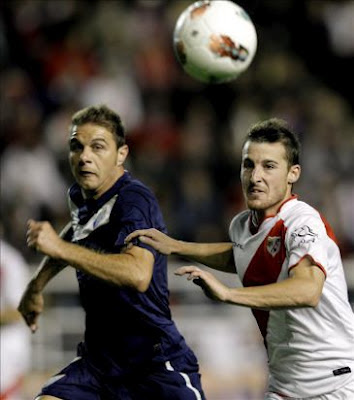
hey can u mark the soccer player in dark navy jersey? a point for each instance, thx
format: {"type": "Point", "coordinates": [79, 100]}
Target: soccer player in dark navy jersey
{"type": "Point", "coordinates": [132, 349]}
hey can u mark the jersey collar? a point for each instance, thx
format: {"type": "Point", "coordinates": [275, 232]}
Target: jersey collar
{"type": "Point", "coordinates": [254, 223]}
{"type": "Point", "coordinates": [87, 207]}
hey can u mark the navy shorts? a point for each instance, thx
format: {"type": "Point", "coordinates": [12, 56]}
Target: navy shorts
{"type": "Point", "coordinates": [178, 379]}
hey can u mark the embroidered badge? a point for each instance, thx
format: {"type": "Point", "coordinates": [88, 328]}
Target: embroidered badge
{"type": "Point", "coordinates": [273, 245]}
{"type": "Point", "coordinates": [304, 234]}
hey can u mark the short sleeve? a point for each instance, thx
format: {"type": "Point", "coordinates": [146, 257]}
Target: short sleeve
{"type": "Point", "coordinates": [137, 211]}
{"type": "Point", "coordinates": [307, 236]}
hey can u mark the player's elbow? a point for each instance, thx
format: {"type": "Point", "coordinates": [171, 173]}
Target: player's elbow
{"type": "Point", "coordinates": [141, 266]}
{"type": "Point", "coordinates": [139, 284]}
{"type": "Point", "coordinates": [311, 299]}
{"type": "Point", "coordinates": [308, 286]}
{"type": "Point", "coordinates": [314, 300]}
{"type": "Point", "coordinates": [142, 284]}
{"type": "Point", "coordinates": [141, 279]}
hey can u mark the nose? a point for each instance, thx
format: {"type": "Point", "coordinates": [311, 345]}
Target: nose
{"type": "Point", "coordinates": [256, 175]}
{"type": "Point", "coordinates": [85, 155]}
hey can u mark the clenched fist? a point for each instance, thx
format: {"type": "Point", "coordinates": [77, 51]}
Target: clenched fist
{"type": "Point", "coordinates": [42, 237]}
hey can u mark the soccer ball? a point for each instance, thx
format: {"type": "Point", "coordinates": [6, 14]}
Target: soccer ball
{"type": "Point", "coordinates": [214, 40]}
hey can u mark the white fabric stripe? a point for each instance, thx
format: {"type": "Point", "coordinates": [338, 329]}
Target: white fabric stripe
{"type": "Point", "coordinates": [187, 380]}
{"type": "Point", "coordinates": [75, 359]}
{"type": "Point", "coordinates": [53, 379]}
{"type": "Point", "coordinates": [101, 217]}
{"type": "Point", "coordinates": [56, 378]}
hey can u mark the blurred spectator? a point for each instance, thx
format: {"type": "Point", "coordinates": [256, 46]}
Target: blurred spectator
{"type": "Point", "coordinates": [31, 186]}
{"type": "Point", "coordinates": [14, 335]}
{"type": "Point", "coordinates": [18, 94]}
{"type": "Point", "coordinates": [56, 136]}
{"type": "Point", "coordinates": [116, 88]}
{"type": "Point", "coordinates": [154, 61]}
{"type": "Point", "coordinates": [196, 206]}
{"type": "Point", "coordinates": [339, 17]}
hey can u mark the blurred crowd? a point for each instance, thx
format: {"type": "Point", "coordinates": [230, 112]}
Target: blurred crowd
{"type": "Point", "coordinates": [61, 55]}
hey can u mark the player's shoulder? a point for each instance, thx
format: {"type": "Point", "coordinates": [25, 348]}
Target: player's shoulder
{"type": "Point", "coordinates": [296, 209]}
{"type": "Point", "coordinates": [299, 215]}
{"type": "Point", "coordinates": [135, 195]}
{"type": "Point", "coordinates": [138, 200]}
{"type": "Point", "coordinates": [135, 190]}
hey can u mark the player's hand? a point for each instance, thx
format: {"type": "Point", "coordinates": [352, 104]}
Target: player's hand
{"type": "Point", "coordinates": [42, 237]}
{"type": "Point", "coordinates": [211, 286]}
{"type": "Point", "coordinates": [154, 238]}
{"type": "Point", "coordinates": [30, 307]}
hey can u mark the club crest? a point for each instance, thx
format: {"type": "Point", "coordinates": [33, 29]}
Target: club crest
{"type": "Point", "coordinates": [273, 245]}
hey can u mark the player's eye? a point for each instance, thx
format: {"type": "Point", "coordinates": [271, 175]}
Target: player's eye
{"type": "Point", "coordinates": [247, 164]}
{"type": "Point", "coordinates": [75, 146]}
{"type": "Point", "coordinates": [270, 166]}
{"type": "Point", "coordinates": [97, 146]}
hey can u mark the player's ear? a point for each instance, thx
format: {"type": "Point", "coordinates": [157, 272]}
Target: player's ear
{"type": "Point", "coordinates": [294, 173]}
{"type": "Point", "coordinates": [122, 154]}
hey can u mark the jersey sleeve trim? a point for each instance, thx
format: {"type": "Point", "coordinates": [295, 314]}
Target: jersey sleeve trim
{"type": "Point", "coordinates": [314, 263]}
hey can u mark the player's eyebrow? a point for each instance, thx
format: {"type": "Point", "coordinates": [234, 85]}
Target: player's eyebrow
{"type": "Point", "coordinates": [74, 139]}
{"type": "Point", "coordinates": [248, 158]}
{"type": "Point", "coordinates": [98, 139]}
{"type": "Point", "coordinates": [266, 161]}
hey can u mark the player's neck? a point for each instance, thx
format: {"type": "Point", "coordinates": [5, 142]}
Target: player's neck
{"type": "Point", "coordinates": [99, 192]}
{"type": "Point", "coordinates": [257, 217]}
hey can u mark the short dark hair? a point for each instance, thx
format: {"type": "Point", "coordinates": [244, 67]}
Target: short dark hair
{"type": "Point", "coordinates": [103, 116]}
{"type": "Point", "coordinates": [276, 130]}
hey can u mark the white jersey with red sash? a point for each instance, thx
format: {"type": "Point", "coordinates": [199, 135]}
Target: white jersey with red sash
{"type": "Point", "coordinates": [310, 350]}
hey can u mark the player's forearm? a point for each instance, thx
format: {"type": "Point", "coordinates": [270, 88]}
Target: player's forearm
{"type": "Point", "coordinates": [46, 271]}
{"type": "Point", "coordinates": [218, 256]}
{"type": "Point", "coordinates": [130, 269]}
{"type": "Point", "coordinates": [285, 294]}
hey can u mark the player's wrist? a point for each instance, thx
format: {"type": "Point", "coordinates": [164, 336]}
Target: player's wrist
{"type": "Point", "coordinates": [59, 252]}
{"type": "Point", "coordinates": [228, 295]}
{"type": "Point", "coordinates": [177, 247]}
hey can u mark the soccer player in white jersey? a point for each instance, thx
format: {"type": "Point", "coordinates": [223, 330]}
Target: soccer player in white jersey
{"type": "Point", "coordinates": [15, 341]}
{"type": "Point", "coordinates": [289, 263]}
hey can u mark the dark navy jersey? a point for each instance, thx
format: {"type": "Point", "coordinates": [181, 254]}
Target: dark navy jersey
{"type": "Point", "coordinates": [124, 328]}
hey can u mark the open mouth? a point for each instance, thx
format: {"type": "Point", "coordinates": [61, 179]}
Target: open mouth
{"type": "Point", "coordinates": [86, 173]}
{"type": "Point", "coordinates": [254, 190]}
{"type": "Point", "coordinates": [255, 193]}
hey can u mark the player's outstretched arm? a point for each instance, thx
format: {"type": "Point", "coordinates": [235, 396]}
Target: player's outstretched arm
{"type": "Point", "coordinates": [156, 239]}
{"type": "Point", "coordinates": [132, 267]}
{"type": "Point", "coordinates": [31, 303]}
{"type": "Point", "coordinates": [303, 288]}
{"type": "Point", "coordinates": [218, 256]}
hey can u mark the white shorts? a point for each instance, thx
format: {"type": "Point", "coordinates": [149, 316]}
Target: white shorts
{"type": "Point", "coordinates": [344, 393]}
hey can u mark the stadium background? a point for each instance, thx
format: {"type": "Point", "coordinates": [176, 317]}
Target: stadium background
{"type": "Point", "coordinates": [61, 55]}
